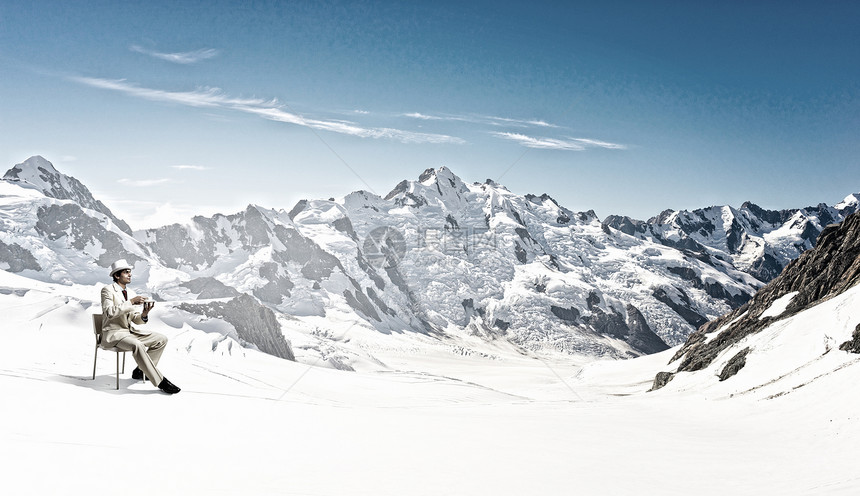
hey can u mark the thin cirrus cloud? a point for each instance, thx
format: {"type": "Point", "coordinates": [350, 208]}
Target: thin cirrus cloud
{"type": "Point", "coordinates": [571, 144]}
{"type": "Point", "coordinates": [190, 167]}
{"type": "Point", "coordinates": [267, 109]}
{"type": "Point", "coordinates": [481, 119]}
{"type": "Point", "coordinates": [142, 183]}
{"type": "Point", "coordinates": [191, 57]}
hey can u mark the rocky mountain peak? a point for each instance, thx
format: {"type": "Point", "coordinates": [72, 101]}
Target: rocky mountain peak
{"type": "Point", "coordinates": [441, 175]}
{"type": "Point", "coordinates": [40, 174]}
{"type": "Point", "coordinates": [849, 205]}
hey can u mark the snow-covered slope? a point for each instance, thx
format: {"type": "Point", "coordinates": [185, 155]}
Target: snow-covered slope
{"type": "Point", "coordinates": [58, 240]}
{"type": "Point", "coordinates": [425, 418]}
{"type": "Point", "coordinates": [798, 328]}
{"type": "Point", "coordinates": [440, 402]}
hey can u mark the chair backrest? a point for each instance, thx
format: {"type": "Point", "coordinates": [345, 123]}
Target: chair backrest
{"type": "Point", "coordinates": [97, 327]}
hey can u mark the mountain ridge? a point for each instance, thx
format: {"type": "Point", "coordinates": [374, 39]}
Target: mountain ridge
{"type": "Point", "coordinates": [816, 276]}
{"type": "Point", "coordinates": [437, 256]}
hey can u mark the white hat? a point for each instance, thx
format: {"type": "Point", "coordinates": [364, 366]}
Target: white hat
{"type": "Point", "coordinates": [119, 265]}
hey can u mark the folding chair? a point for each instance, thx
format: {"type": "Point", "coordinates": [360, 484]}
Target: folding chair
{"type": "Point", "coordinates": [97, 329]}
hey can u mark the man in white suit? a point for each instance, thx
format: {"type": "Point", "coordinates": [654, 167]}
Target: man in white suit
{"type": "Point", "coordinates": [119, 313]}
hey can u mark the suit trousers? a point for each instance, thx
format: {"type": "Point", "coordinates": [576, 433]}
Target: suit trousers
{"type": "Point", "coordinates": [146, 350]}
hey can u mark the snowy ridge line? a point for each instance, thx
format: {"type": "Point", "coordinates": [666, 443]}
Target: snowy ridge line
{"type": "Point", "coordinates": [437, 256]}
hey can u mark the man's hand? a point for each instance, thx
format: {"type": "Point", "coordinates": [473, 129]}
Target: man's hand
{"type": "Point", "coordinates": [137, 300]}
{"type": "Point", "coordinates": [147, 306]}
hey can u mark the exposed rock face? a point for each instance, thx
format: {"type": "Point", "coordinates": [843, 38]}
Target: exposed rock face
{"type": "Point", "coordinates": [634, 330]}
{"type": "Point", "coordinates": [818, 274]}
{"type": "Point", "coordinates": [853, 345]}
{"type": "Point", "coordinates": [254, 323]}
{"type": "Point", "coordinates": [69, 220]}
{"type": "Point", "coordinates": [277, 288]}
{"type": "Point", "coordinates": [735, 364]}
{"type": "Point", "coordinates": [178, 247]}
{"type": "Point", "coordinates": [17, 258]}
{"type": "Point", "coordinates": [640, 336]}
{"type": "Point", "coordinates": [661, 380]}
{"type": "Point", "coordinates": [208, 288]}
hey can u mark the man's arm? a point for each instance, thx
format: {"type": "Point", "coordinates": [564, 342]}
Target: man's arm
{"type": "Point", "coordinates": [110, 309]}
{"type": "Point", "coordinates": [136, 302]}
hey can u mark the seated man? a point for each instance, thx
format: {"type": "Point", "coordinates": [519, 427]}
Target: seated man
{"type": "Point", "coordinates": [119, 314]}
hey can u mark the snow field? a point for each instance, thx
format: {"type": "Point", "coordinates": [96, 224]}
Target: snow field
{"type": "Point", "coordinates": [424, 419]}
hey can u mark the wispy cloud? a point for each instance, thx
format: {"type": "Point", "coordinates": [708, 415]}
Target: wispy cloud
{"type": "Point", "coordinates": [504, 121]}
{"type": "Point", "coordinates": [545, 143]}
{"type": "Point", "coordinates": [571, 144]}
{"type": "Point", "coordinates": [142, 183]}
{"type": "Point", "coordinates": [481, 119]}
{"type": "Point", "coordinates": [178, 57]}
{"type": "Point", "coordinates": [205, 97]}
{"type": "Point", "coordinates": [599, 144]}
{"type": "Point", "coordinates": [423, 117]}
{"type": "Point", "coordinates": [267, 109]}
{"type": "Point", "coordinates": [190, 167]}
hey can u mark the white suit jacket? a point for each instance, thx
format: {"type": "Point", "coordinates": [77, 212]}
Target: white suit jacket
{"type": "Point", "coordinates": [118, 315]}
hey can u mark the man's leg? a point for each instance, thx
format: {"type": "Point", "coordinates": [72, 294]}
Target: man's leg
{"type": "Point", "coordinates": [155, 343]}
{"type": "Point", "coordinates": [141, 355]}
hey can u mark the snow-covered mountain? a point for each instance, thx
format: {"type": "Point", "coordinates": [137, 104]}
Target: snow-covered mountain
{"type": "Point", "coordinates": [57, 239]}
{"type": "Point", "coordinates": [53, 230]}
{"type": "Point", "coordinates": [757, 241]}
{"type": "Point", "coordinates": [806, 318]}
{"type": "Point", "coordinates": [38, 173]}
{"type": "Point", "coordinates": [436, 256]}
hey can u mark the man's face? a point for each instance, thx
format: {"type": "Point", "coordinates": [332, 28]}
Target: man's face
{"type": "Point", "coordinates": [123, 277]}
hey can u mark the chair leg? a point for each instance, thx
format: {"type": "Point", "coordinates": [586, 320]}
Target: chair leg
{"type": "Point", "coordinates": [117, 369]}
{"type": "Point", "coordinates": [123, 362]}
{"type": "Point", "coordinates": [94, 361]}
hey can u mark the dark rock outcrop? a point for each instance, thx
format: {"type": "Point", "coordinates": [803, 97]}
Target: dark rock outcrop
{"type": "Point", "coordinates": [69, 220]}
{"type": "Point", "coordinates": [17, 257]}
{"type": "Point", "coordinates": [634, 330]}
{"type": "Point", "coordinates": [641, 337]}
{"type": "Point", "coordinates": [852, 345]}
{"type": "Point", "coordinates": [254, 323]}
{"type": "Point", "coordinates": [208, 288]}
{"type": "Point", "coordinates": [682, 307]}
{"type": "Point", "coordinates": [661, 380]}
{"type": "Point", "coordinates": [735, 364]}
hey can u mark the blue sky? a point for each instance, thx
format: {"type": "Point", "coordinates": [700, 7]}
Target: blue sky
{"type": "Point", "coordinates": [169, 109]}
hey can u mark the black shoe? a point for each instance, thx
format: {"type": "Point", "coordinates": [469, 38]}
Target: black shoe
{"type": "Point", "coordinates": [168, 387]}
{"type": "Point", "coordinates": [137, 374]}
